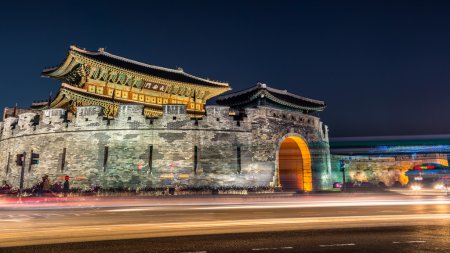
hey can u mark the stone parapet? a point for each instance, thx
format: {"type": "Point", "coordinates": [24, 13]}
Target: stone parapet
{"type": "Point", "coordinates": [222, 148]}
{"type": "Point", "coordinates": [131, 117]}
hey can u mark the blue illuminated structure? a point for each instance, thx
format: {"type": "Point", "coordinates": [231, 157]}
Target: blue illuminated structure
{"type": "Point", "coordinates": [391, 145]}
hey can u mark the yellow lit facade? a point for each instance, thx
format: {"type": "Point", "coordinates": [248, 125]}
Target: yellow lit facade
{"type": "Point", "coordinates": [91, 77]}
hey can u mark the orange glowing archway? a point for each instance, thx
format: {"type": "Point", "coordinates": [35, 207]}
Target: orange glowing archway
{"type": "Point", "coordinates": [294, 164]}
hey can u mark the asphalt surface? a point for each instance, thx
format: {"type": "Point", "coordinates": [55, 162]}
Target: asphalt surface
{"type": "Point", "coordinates": [408, 239]}
{"type": "Point", "coordinates": [336, 223]}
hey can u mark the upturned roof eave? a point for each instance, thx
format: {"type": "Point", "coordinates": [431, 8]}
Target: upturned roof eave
{"type": "Point", "coordinates": [262, 90]}
{"type": "Point", "coordinates": [272, 98]}
{"type": "Point", "coordinates": [261, 86]}
{"type": "Point", "coordinates": [75, 52]}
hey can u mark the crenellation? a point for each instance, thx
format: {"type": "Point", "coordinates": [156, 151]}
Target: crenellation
{"type": "Point", "coordinates": [217, 111]}
{"type": "Point", "coordinates": [221, 117]}
{"type": "Point", "coordinates": [27, 121]}
{"type": "Point", "coordinates": [89, 117]}
{"type": "Point", "coordinates": [52, 116]}
{"type": "Point", "coordinates": [130, 116]}
{"type": "Point", "coordinates": [172, 140]}
{"type": "Point", "coordinates": [52, 120]}
{"type": "Point", "coordinates": [9, 125]}
{"type": "Point", "coordinates": [149, 137]}
{"type": "Point", "coordinates": [132, 112]}
{"type": "Point", "coordinates": [174, 109]}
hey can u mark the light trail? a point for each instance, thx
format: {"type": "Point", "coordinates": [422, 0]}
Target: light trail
{"type": "Point", "coordinates": [148, 230]}
{"type": "Point", "coordinates": [332, 204]}
{"type": "Point", "coordinates": [409, 242]}
{"type": "Point", "coordinates": [337, 245]}
{"type": "Point", "coordinates": [232, 203]}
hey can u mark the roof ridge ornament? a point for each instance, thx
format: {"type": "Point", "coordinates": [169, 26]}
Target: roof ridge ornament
{"type": "Point", "coordinates": [262, 85]}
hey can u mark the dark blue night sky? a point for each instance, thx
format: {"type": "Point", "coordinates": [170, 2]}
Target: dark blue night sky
{"type": "Point", "coordinates": [383, 67]}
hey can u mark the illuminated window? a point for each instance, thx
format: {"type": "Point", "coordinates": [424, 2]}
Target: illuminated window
{"type": "Point", "coordinates": [197, 107]}
{"type": "Point", "coordinates": [118, 93]}
{"type": "Point", "coordinates": [141, 97]}
{"type": "Point", "coordinates": [159, 100]}
{"type": "Point", "coordinates": [153, 100]}
{"type": "Point", "coordinates": [91, 88]}
{"type": "Point", "coordinates": [110, 92]}
{"type": "Point", "coordinates": [165, 101]}
{"type": "Point", "coordinates": [192, 106]}
{"type": "Point", "coordinates": [134, 96]}
{"type": "Point", "coordinates": [124, 94]}
{"type": "Point", "coordinates": [99, 90]}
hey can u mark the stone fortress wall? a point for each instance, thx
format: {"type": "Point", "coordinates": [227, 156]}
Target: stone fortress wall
{"type": "Point", "coordinates": [134, 151]}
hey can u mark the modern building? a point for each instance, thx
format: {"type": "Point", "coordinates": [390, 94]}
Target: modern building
{"type": "Point", "coordinates": [385, 159]}
{"type": "Point", "coordinates": [116, 122]}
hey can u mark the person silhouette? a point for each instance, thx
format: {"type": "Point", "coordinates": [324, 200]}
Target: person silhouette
{"type": "Point", "coordinates": [66, 185]}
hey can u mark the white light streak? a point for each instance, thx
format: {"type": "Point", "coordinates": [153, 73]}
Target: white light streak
{"type": "Point", "coordinates": [337, 245]}
{"type": "Point", "coordinates": [410, 242]}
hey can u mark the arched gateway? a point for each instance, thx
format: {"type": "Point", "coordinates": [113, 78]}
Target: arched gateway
{"type": "Point", "coordinates": [127, 136]}
{"type": "Point", "coordinates": [294, 165]}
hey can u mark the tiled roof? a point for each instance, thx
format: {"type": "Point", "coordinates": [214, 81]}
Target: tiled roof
{"type": "Point", "coordinates": [143, 68]}
{"type": "Point", "coordinates": [279, 96]}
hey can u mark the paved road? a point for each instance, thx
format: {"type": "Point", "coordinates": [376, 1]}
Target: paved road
{"type": "Point", "coordinates": [408, 239]}
{"type": "Point", "coordinates": [224, 220]}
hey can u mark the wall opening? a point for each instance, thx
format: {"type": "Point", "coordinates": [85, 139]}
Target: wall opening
{"type": "Point", "coordinates": [195, 159]}
{"type": "Point", "coordinates": [7, 164]}
{"type": "Point", "coordinates": [63, 159]}
{"type": "Point", "coordinates": [150, 158]}
{"type": "Point", "coordinates": [238, 159]}
{"type": "Point", "coordinates": [105, 157]}
{"type": "Point", "coordinates": [294, 165]}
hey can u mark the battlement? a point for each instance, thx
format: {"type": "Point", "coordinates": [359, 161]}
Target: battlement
{"type": "Point", "coordinates": [130, 116]}
{"type": "Point", "coordinates": [145, 126]}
